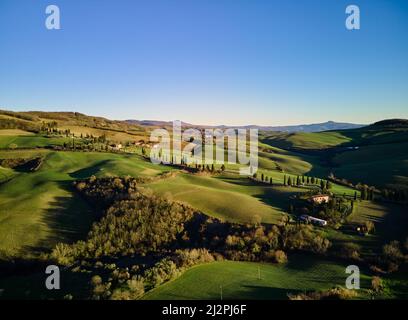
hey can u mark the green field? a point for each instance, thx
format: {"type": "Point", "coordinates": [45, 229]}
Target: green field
{"type": "Point", "coordinates": [39, 209]}
{"type": "Point", "coordinates": [288, 161]}
{"type": "Point", "coordinates": [390, 220]}
{"type": "Point", "coordinates": [6, 174]}
{"type": "Point", "coordinates": [383, 165]}
{"type": "Point", "coordinates": [380, 157]}
{"type": "Point", "coordinates": [240, 280]}
{"type": "Point", "coordinates": [31, 141]}
{"type": "Point", "coordinates": [15, 132]}
{"type": "Point", "coordinates": [228, 197]}
{"type": "Point", "coordinates": [377, 134]}
{"type": "Point", "coordinates": [306, 140]}
{"type": "Point", "coordinates": [31, 203]}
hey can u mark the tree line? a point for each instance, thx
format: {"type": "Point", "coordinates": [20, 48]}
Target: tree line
{"type": "Point", "coordinates": [133, 221]}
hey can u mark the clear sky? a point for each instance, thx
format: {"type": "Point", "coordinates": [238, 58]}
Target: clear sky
{"type": "Point", "coordinates": [207, 61]}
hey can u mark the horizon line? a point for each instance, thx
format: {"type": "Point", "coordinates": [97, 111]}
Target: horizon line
{"type": "Point", "coordinates": [209, 125]}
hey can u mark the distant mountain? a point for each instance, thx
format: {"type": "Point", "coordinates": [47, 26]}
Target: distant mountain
{"type": "Point", "coordinates": [317, 127]}
{"type": "Point", "coordinates": [157, 123]}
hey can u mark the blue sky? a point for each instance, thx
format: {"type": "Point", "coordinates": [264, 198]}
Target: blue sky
{"type": "Point", "coordinates": [207, 61]}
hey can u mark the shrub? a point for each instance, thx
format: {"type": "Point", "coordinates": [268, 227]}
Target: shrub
{"type": "Point", "coordinates": [99, 289]}
{"type": "Point", "coordinates": [62, 254]}
{"type": "Point", "coordinates": [280, 256]}
{"type": "Point", "coordinates": [187, 258]}
{"type": "Point", "coordinates": [392, 252]}
{"type": "Point", "coordinates": [337, 293]}
{"type": "Point", "coordinates": [376, 284]}
{"type": "Point", "coordinates": [369, 227]}
{"type": "Point", "coordinates": [256, 219]}
{"type": "Point", "coordinates": [133, 289]}
{"type": "Point", "coordinates": [161, 272]}
{"type": "Point", "coordinates": [349, 250]}
{"type": "Point", "coordinates": [303, 237]}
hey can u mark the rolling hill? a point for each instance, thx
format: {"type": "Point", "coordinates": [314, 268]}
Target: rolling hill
{"type": "Point", "coordinates": [40, 208]}
{"type": "Point", "coordinates": [315, 127]}
{"type": "Point", "coordinates": [246, 280]}
{"type": "Point", "coordinates": [375, 154]}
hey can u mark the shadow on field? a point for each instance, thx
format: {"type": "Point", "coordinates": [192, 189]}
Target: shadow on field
{"type": "Point", "coordinates": [393, 224]}
{"type": "Point", "coordinates": [271, 196]}
{"type": "Point", "coordinates": [266, 293]}
{"type": "Point", "coordinates": [89, 171]}
{"type": "Point", "coordinates": [25, 280]}
{"type": "Point", "coordinates": [68, 218]}
{"type": "Point", "coordinates": [390, 220]}
{"type": "Point", "coordinates": [301, 262]}
{"type": "Point", "coordinates": [241, 182]}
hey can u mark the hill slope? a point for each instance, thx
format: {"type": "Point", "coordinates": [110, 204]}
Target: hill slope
{"type": "Point", "coordinates": [240, 280]}
{"type": "Point", "coordinates": [376, 154]}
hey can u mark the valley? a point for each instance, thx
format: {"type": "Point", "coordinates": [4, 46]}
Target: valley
{"type": "Point", "coordinates": [43, 211]}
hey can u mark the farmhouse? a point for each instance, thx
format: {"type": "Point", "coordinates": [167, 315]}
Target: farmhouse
{"type": "Point", "coordinates": [309, 219]}
{"type": "Point", "coordinates": [320, 198]}
{"type": "Point", "coordinates": [116, 146]}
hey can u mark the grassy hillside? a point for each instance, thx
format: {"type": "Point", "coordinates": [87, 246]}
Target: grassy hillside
{"type": "Point", "coordinates": [77, 123]}
{"type": "Point", "coordinates": [306, 140]}
{"type": "Point", "coordinates": [385, 165]}
{"type": "Point", "coordinates": [390, 221]}
{"type": "Point", "coordinates": [240, 280]}
{"type": "Point", "coordinates": [39, 209]}
{"type": "Point", "coordinates": [229, 197]}
{"type": "Point", "coordinates": [31, 141]}
{"type": "Point", "coordinates": [272, 158]}
{"type": "Point", "coordinates": [15, 132]}
{"type": "Point", "coordinates": [375, 155]}
{"type": "Point", "coordinates": [6, 174]}
{"type": "Point", "coordinates": [376, 134]}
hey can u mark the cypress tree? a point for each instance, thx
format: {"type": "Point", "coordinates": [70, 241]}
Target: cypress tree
{"type": "Point", "coordinates": [363, 193]}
